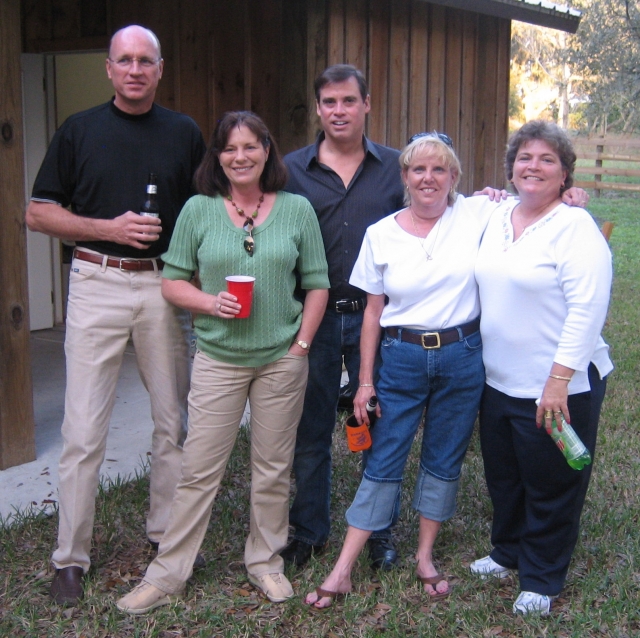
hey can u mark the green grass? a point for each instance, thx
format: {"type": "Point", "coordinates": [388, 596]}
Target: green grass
{"type": "Point", "coordinates": [601, 597]}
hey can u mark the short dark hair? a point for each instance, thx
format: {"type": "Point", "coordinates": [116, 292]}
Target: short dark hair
{"type": "Point", "coordinates": [210, 178]}
{"type": "Point", "coordinates": [340, 73]}
{"type": "Point", "coordinates": [550, 133]}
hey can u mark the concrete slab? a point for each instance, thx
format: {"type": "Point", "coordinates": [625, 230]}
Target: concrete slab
{"type": "Point", "coordinates": [34, 486]}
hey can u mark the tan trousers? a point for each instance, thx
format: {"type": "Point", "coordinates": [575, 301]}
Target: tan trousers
{"type": "Point", "coordinates": [216, 403]}
{"type": "Point", "coordinates": [107, 306]}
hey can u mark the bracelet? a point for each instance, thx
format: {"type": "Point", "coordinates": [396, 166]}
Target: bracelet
{"type": "Point", "coordinates": [557, 376]}
{"type": "Point", "coordinates": [365, 385]}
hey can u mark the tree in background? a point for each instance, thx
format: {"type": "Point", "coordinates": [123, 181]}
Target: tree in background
{"type": "Point", "coordinates": [590, 80]}
{"type": "Point", "coordinates": [606, 54]}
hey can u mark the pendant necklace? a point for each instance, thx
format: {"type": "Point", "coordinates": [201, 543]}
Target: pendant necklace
{"type": "Point", "coordinates": [241, 212]}
{"type": "Point", "coordinates": [422, 240]}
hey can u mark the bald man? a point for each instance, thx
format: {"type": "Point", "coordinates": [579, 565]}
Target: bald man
{"type": "Point", "coordinates": [89, 189]}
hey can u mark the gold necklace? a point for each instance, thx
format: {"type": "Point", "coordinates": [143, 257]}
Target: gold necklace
{"type": "Point", "coordinates": [241, 212]}
{"type": "Point", "coordinates": [421, 240]}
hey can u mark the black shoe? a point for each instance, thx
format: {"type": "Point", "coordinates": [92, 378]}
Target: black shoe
{"type": "Point", "coordinates": [382, 553]}
{"type": "Point", "coordinates": [198, 563]}
{"type": "Point", "coordinates": [66, 587]}
{"type": "Point", "coordinates": [297, 553]}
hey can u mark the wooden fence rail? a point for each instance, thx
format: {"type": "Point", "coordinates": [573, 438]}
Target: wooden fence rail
{"type": "Point", "coordinates": [614, 151]}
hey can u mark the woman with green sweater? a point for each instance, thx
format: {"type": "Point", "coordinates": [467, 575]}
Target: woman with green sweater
{"type": "Point", "coordinates": [240, 224]}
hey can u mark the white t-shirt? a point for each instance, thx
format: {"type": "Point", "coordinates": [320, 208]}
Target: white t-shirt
{"type": "Point", "coordinates": [544, 298]}
{"type": "Point", "coordinates": [426, 294]}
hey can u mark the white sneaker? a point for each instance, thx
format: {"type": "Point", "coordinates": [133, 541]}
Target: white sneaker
{"type": "Point", "coordinates": [528, 602]}
{"type": "Point", "coordinates": [145, 597]}
{"type": "Point", "coordinates": [276, 587]}
{"type": "Point", "coordinates": [487, 567]}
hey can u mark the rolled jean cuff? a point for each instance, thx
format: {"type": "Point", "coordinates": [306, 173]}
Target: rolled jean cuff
{"type": "Point", "coordinates": [372, 508]}
{"type": "Point", "coordinates": [435, 498]}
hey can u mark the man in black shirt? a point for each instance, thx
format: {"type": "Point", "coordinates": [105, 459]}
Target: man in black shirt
{"type": "Point", "coordinates": [98, 165]}
{"type": "Point", "coordinates": [351, 183]}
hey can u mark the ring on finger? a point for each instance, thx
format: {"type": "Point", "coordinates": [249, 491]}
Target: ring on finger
{"type": "Point", "coordinates": [548, 414]}
{"type": "Point", "coordinates": [558, 412]}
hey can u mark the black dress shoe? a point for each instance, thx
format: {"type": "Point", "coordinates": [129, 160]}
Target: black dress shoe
{"type": "Point", "coordinates": [382, 553]}
{"type": "Point", "coordinates": [66, 587]}
{"type": "Point", "coordinates": [198, 563]}
{"type": "Point", "coordinates": [298, 552]}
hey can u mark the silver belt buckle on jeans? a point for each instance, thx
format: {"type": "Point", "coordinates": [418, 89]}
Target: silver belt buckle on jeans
{"type": "Point", "coordinates": [430, 334]}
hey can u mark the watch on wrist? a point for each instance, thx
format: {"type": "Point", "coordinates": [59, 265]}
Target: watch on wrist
{"type": "Point", "coordinates": [303, 344]}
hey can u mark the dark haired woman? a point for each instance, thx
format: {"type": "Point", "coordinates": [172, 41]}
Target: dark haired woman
{"type": "Point", "coordinates": [240, 224]}
{"type": "Point", "coordinates": [544, 273]}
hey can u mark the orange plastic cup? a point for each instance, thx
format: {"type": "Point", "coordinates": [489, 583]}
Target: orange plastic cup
{"type": "Point", "coordinates": [241, 286]}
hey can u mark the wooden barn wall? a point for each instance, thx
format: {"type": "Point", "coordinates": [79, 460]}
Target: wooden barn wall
{"type": "Point", "coordinates": [429, 67]}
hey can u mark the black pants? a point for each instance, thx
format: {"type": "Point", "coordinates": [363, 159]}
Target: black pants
{"type": "Point", "coordinates": [537, 498]}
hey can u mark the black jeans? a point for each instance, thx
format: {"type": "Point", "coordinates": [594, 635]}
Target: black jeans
{"type": "Point", "coordinates": [537, 498]}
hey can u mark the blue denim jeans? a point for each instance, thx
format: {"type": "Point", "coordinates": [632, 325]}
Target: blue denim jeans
{"type": "Point", "coordinates": [337, 336]}
{"type": "Point", "coordinates": [447, 382]}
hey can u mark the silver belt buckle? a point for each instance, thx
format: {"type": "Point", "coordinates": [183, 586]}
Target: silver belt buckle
{"type": "Point", "coordinates": [430, 334]}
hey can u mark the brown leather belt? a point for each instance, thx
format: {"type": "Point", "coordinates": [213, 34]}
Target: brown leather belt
{"type": "Point", "coordinates": [123, 263]}
{"type": "Point", "coordinates": [433, 340]}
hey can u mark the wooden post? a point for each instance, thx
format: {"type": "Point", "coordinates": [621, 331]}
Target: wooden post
{"type": "Point", "coordinates": [17, 439]}
{"type": "Point", "coordinates": [598, 176]}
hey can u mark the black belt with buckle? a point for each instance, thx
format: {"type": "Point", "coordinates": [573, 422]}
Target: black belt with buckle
{"type": "Point", "coordinates": [348, 305]}
{"type": "Point", "coordinates": [437, 339]}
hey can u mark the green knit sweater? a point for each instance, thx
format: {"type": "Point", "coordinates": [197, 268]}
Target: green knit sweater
{"type": "Point", "coordinates": [287, 243]}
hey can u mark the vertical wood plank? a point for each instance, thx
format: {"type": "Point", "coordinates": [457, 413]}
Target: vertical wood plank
{"type": "Point", "coordinates": [356, 34]}
{"type": "Point", "coordinates": [335, 31]}
{"type": "Point", "coordinates": [398, 74]}
{"type": "Point", "coordinates": [66, 19]}
{"type": "Point", "coordinates": [437, 68]}
{"type": "Point", "coordinates": [295, 106]}
{"type": "Point", "coordinates": [38, 21]}
{"type": "Point", "coordinates": [453, 75]}
{"type": "Point", "coordinates": [264, 52]}
{"type": "Point", "coordinates": [418, 74]}
{"type": "Point", "coordinates": [193, 74]}
{"type": "Point", "coordinates": [488, 60]}
{"type": "Point", "coordinates": [228, 68]}
{"type": "Point", "coordinates": [17, 435]}
{"type": "Point", "coordinates": [502, 100]}
{"type": "Point", "coordinates": [378, 69]}
{"type": "Point", "coordinates": [317, 57]}
{"type": "Point", "coordinates": [466, 140]}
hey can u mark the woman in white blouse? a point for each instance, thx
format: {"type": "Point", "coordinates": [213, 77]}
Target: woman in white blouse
{"type": "Point", "coordinates": [544, 272]}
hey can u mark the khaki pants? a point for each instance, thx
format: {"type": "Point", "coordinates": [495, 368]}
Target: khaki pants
{"type": "Point", "coordinates": [107, 306]}
{"type": "Point", "coordinates": [216, 403]}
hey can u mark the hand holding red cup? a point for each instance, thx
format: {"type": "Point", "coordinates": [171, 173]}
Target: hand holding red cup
{"type": "Point", "coordinates": [241, 287]}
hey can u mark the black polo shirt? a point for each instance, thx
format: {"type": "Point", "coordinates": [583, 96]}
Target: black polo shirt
{"type": "Point", "coordinates": [375, 191]}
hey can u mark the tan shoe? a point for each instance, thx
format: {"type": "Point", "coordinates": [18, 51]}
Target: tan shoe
{"type": "Point", "coordinates": [276, 587]}
{"type": "Point", "coordinates": [144, 598]}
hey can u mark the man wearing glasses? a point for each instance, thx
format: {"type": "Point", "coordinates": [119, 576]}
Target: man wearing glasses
{"type": "Point", "coordinates": [351, 183]}
{"type": "Point", "coordinates": [98, 165]}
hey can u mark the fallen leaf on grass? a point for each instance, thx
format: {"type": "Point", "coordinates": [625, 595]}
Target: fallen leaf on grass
{"type": "Point", "coordinates": [494, 631]}
{"type": "Point", "coordinates": [242, 592]}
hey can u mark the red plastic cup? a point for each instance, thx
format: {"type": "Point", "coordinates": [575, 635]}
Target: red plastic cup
{"type": "Point", "coordinates": [241, 287]}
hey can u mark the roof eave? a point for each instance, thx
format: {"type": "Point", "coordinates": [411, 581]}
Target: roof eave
{"type": "Point", "coordinates": [538, 12]}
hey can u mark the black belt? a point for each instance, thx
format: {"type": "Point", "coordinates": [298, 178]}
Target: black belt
{"type": "Point", "coordinates": [433, 340]}
{"type": "Point", "coordinates": [123, 263]}
{"type": "Point", "coordinates": [348, 305]}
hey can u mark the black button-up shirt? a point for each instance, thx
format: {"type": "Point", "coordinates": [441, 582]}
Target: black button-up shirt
{"type": "Point", "coordinates": [374, 192]}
